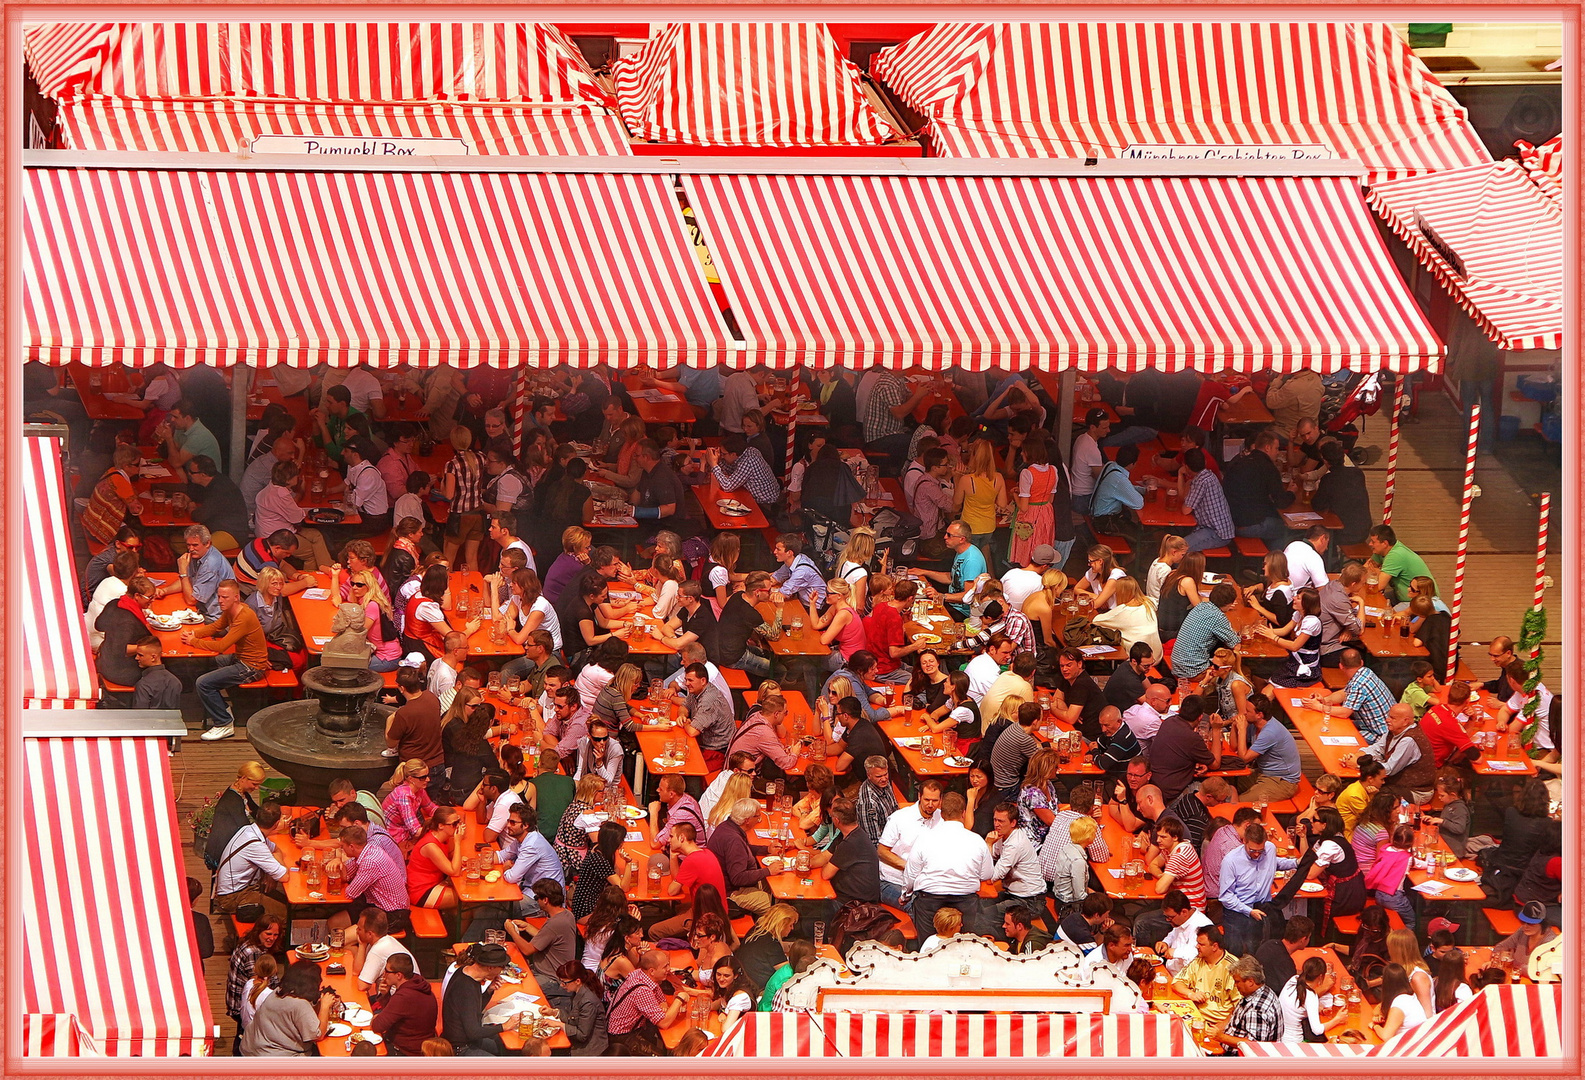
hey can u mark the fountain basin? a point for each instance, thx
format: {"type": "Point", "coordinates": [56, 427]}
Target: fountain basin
{"type": "Point", "coordinates": [292, 740]}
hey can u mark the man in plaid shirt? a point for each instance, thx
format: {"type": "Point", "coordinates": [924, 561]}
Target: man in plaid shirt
{"type": "Point", "coordinates": [1081, 803]}
{"type": "Point", "coordinates": [1258, 1016]}
{"type": "Point", "coordinates": [640, 998]}
{"type": "Point", "coordinates": [738, 466]}
{"type": "Point", "coordinates": [1213, 521]}
{"type": "Point", "coordinates": [875, 802]}
{"type": "Point", "coordinates": [408, 807]}
{"type": "Point", "coordinates": [1365, 700]}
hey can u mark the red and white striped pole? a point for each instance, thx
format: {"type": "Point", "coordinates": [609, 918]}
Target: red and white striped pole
{"type": "Point", "coordinates": [792, 437]}
{"type": "Point", "coordinates": [1392, 452]}
{"type": "Point", "coordinates": [1463, 539]}
{"type": "Point", "coordinates": [1540, 559]}
{"type": "Point", "coordinates": [520, 412]}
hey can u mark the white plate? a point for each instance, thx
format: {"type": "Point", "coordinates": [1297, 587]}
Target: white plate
{"type": "Point", "coordinates": [338, 1030]}
{"type": "Point", "coordinates": [663, 763]}
{"type": "Point", "coordinates": [373, 1038]}
{"type": "Point", "coordinates": [781, 864]}
{"type": "Point", "coordinates": [1461, 873]}
{"type": "Point", "coordinates": [959, 762]}
{"type": "Point", "coordinates": [1312, 887]}
{"type": "Point", "coordinates": [633, 813]}
{"type": "Point", "coordinates": [356, 1016]}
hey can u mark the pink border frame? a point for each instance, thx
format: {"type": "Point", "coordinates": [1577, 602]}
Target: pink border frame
{"type": "Point", "coordinates": [1566, 529]}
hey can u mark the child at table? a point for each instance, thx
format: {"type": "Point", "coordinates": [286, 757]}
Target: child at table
{"type": "Point", "coordinates": [1422, 689]}
{"type": "Point", "coordinates": [1389, 874]}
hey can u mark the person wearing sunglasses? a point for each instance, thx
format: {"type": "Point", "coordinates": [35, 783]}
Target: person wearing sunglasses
{"type": "Point", "coordinates": [599, 753]}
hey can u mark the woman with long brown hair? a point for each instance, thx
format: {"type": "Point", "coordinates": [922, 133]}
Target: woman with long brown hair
{"type": "Point", "coordinates": [1179, 593]}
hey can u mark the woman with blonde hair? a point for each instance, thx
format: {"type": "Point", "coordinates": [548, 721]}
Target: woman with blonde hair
{"type": "Point", "coordinates": [1134, 617]}
{"type": "Point", "coordinates": [610, 707]}
{"type": "Point", "coordinates": [666, 575]}
{"type": "Point", "coordinates": [764, 948]}
{"type": "Point", "coordinates": [840, 626]}
{"type": "Point", "coordinates": [979, 494]}
{"type": "Point", "coordinates": [1047, 621]}
{"type": "Point", "coordinates": [1224, 684]}
{"type": "Point", "coordinates": [1100, 581]}
{"type": "Point", "coordinates": [269, 604]}
{"type": "Point", "coordinates": [1173, 549]}
{"type": "Point", "coordinates": [385, 651]}
{"type": "Point", "coordinates": [853, 565]}
{"type": "Point", "coordinates": [948, 925]}
{"type": "Point", "coordinates": [1404, 948]}
{"type": "Point", "coordinates": [720, 573]}
{"type": "Point", "coordinates": [740, 786]}
{"type": "Point", "coordinates": [234, 810]}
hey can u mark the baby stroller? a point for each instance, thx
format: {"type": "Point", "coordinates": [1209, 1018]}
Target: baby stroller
{"type": "Point", "coordinates": [1350, 396]}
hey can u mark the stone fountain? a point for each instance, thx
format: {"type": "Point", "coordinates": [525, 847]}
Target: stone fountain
{"type": "Point", "coordinates": [338, 732]}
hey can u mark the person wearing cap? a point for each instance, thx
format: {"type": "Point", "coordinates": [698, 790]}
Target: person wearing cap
{"type": "Point", "coordinates": [1087, 461]}
{"type": "Point", "coordinates": [1535, 929]}
{"type": "Point", "coordinates": [1439, 938]}
{"type": "Point", "coordinates": [1022, 582]}
{"type": "Point", "coordinates": [466, 998]}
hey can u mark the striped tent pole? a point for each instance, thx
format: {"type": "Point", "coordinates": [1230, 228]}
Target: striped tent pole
{"type": "Point", "coordinates": [792, 439]}
{"type": "Point", "coordinates": [1463, 539]}
{"type": "Point", "coordinates": [1392, 452]}
{"type": "Point", "coordinates": [520, 413]}
{"type": "Point", "coordinates": [1540, 560]}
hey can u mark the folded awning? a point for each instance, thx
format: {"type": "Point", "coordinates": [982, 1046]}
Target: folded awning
{"type": "Point", "coordinates": [746, 84]}
{"type": "Point", "coordinates": [57, 663]}
{"type": "Point", "coordinates": [1240, 274]}
{"type": "Point", "coordinates": [225, 126]}
{"type": "Point", "coordinates": [382, 268]}
{"type": "Point", "coordinates": [955, 1035]}
{"type": "Point", "coordinates": [1493, 239]}
{"type": "Point", "coordinates": [1544, 163]}
{"type": "Point", "coordinates": [107, 933]}
{"type": "Point", "coordinates": [311, 61]}
{"type": "Point", "coordinates": [1181, 89]}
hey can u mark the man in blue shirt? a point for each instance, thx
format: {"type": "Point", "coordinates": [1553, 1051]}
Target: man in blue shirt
{"type": "Point", "coordinates": [528, 856]}
{"type": "Point", "coordinates": [1116, 499]}
{"type": "Point", "coordinates": [1205, 629]}
{"type": "Point", "coordinates": [1270, 749]}
{"type": "Point", "coordinates": [1247, 873]}
{"type": "Point", "coordinates": [968, 563]}
{"type": "Point", "coordinates": [797, 577]}
{"type": "Point", "coordinates": [200, 570]}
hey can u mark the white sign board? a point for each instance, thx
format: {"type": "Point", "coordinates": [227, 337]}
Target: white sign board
{"type": "Point", "coordinates": [1227, 152]}
{"type": "Point", "coordinates": [358, 146]}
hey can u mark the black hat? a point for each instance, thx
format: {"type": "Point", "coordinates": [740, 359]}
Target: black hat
{"type": "Point", "coordinates": [491, 955]}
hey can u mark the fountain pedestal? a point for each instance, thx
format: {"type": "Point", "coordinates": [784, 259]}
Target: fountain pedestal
{"type": "Point", "coordinates": [339, 732]}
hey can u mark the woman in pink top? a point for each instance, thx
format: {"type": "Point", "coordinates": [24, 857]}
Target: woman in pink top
{"type": "Point", "coordinates": [840, 624]}
{"type": "Point", "coordinates": [367, 594]}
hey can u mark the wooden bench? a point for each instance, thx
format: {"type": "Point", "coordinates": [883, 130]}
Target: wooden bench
{"type": "Point", "coordinates": [242, 928]}
{"type": "Point", "coordinates": [1250, 547]}
{"type": "Point", "coordinates": [904, 923]}
{"type": "Point", "coordinates": [1222, 552]}
{"type": "Point", "coordinates": [1349, 924]}
{"type": "Point", "coordinates": [114, 687]}
{"type": "Point", "coordinates": [736, 678]}
{"type": "Point", "coordinates": [1301, 799]}
{"type": "Point", "coordinates": [1120, 547]}
{"type": "Point", "coordinates": [742, 926]}
{"type": "Point", "coordinates": [428, 923]}
{"type": "Point", "coordinates": [389, 678]}
{"type": "Point", "coordinates": [274, 680]}
{"type": "Point", "coordinates": [1503, 921]}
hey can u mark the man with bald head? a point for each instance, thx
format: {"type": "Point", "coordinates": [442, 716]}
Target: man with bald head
{"type": "Point", "coordinates": [1117, 745]}
{"type": "Point", "coordinates": [1405, 752]}
{"type": "Point", "coordinates": [1145, 718]}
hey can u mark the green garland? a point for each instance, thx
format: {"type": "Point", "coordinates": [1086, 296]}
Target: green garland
{"type": "Point", "coordinates": [1531, 633]}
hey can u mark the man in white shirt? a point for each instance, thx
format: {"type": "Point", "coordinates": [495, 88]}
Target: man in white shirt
{"type": "Point", "coordinates": [901, 834]}
{"type": "Point", "coordinates": [248, 865]}
{"type": "Point", "coordinates": [372, 948]}
{"type": "Point", "coordinates": [738, 396]}
{"type": "Point", "coordinates": [366, 392]}
{"type": "Point", "coordinates": [1114, 952]}
{"type": "Point", "coordinates": [693, 653]}
{"type": "Point", "coordinates": [984, 668]}
{"type": "Point", "coordinates": [366, 495]}
{"type": "Point", "coordinates": [946, 868]}
{"type": "Point", "coordinates": [1087, 460]}
{"type": "Point", "coordinates": [1144, 719]}
{"type": "Point", "coordinates": [1017, 864]}
{"type": "Point", "coordinates": [443, 672]}
{"type": "Point", "coordinates": [1178, 947]}
{"type": "Point", "coordinates": [1022, 582]}
{"type": "Point", "coordinates": [1306, 559]}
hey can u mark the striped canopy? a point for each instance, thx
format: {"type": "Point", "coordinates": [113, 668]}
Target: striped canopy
{"type": "Point", "coordinates": [107, 933]}
{"type": "Point", "coordinates": [1520, 1022]}
{"type": "Point", "coordinates": [1098, 89]}
{"type": "Point", "coordinates": [57, 663]}
{"type": "Point", "coordinates": [1544, 163]}
{"type": "Point", "coordinates": [1493, 239]}
{"type": "Point", "coordinates": [746, 84]}
{"type": "Point", "coordinates": [380, 268]}
{"type": "Point", "coordinates": [953, 1035]}
{"type": "Point", "coordinates": [307, 61]}
{"type": "Point", "coordinates": [55, 1035]}
{"type": "Point", "coordinates": [1217, 274]}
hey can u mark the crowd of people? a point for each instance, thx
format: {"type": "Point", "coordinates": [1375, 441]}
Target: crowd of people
{"type": "Point", "coordinates": [992, 519]}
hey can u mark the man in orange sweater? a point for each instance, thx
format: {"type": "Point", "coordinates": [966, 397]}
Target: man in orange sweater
{"type": "Point", "coordinates": [244, 657]}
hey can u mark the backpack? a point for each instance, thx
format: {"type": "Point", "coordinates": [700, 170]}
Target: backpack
{"type": "Point", "coordinates": [696, 554]}
{"type": "Point", "coordinates": [859, 921]}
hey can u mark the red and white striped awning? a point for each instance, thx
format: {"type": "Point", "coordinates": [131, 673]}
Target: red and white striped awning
{"type": "Point", "coordinates": [55, 1035]}
{"type": "Point", "coordinates": [1517, 1021]}
{"type": "Point", "coordinates": [746, 84]}
{"type": "Point", "coordinates": [228, 126]}
{"type": "Point", "coordinates": [1240, 274]}
{"type": "Point", "coordinates": [312, 61]}
{"type": "Point", "coordinates": [106, 930]}
{"type": "Point", "coordinates": [1544, 163]}
{"type": "Point", "coordinates": [1078, 90]}
{"type": "Point", "coordinates": [1495, 241]}
{"type": "Point", "coordinates": [955, 1035]}
{"type": "Point", "coordinates": [57, 663]}
{"type": "Point", "coordinates": [381, 268]}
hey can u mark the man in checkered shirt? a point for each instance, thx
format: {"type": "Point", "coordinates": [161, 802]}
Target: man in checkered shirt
{"type": "Point", "coordinates": [1213, 520]}
{"type": "Point", "coordinates": [1258, 1016]}
{"type": "Point", "coordinates": [876, 801]}
{"type": "Point", "coordinates": [640, 998]}
{"type": "Point", "coordinates": [1365, 700]}
{"type": "Point", "coordinates": [737, 466]}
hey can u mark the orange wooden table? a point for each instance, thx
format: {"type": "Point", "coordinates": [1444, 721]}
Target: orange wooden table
{"type": "Point", "coordinates": [709, 492]}
{"type": "Point", "coordinates": [171, 644]}
{"type": "Point", "coordinates": [1247, 410]}
{"type": "Point", "coordinates": [672, 409]}
{"type": "Point", "coordinates": [654, 734]}
{"type": "Point", "coordinates": [1343, 735]}
{"type": "Point", "coordinates": [807, 643]}
{"type": "Point", "coordinates": [314, 616]}
{"type": "Point", "coordinates": [1255, 646]}
{"type": "Point", "coordinates": [908, 728]}
{"type": "Point", "coordinates": [112, 380]}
